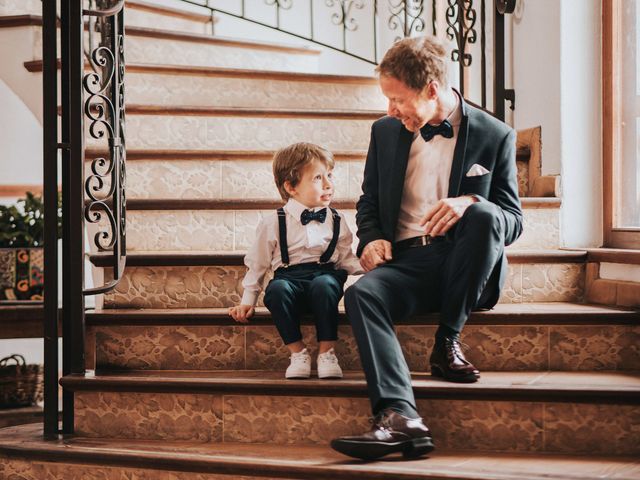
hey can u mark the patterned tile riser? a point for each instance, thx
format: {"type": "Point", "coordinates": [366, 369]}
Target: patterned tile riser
{"type": "Point", "coordinates": [248, 92]}
{"type": "Point", "coordinates": [218, 286]}
{"type": "Point", "coordinates": [259, 347]}
{"type": "Point", "coordinates": [173, 132]}
{"type": "Point", "coordinates": [463, 424]}
{"type": "Point", "coordinates": [233, 230]}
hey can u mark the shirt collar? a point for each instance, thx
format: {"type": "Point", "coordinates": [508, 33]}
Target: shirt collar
{"type": "Point", "coordinates": [295, 208]}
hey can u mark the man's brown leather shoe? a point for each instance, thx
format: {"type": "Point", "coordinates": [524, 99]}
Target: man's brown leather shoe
{"type": "Point", "coordinates": [448, 361]}
{"type": "Point", "coordinates": [391, 432]}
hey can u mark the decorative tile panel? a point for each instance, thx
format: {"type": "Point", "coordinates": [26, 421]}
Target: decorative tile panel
{"type": "Point", "coordinates": [170, 348]}
{"type": "Point", "coordinates": [198, 90]}
{"type": "Point", "coordinates": [552, 282]}
{"type": "Point", "coordinates": [157, 416]}
{"type": "Point", "coordinates": [287, 420]}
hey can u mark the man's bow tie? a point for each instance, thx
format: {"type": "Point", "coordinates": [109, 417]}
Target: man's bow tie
{"type": "Point", "coordinates": [308, 216]}
{"type": "Point", "coordinates": [429, 131]}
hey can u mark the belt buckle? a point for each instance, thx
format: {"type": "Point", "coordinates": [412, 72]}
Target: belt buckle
{"type": "Point", "coordinates": [425, 240]}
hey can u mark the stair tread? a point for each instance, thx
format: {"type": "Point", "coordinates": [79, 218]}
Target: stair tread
{"type": "Point", "coordinates": [619, 387]}
{"type": "Point", "coordinates": [270, 204]}
{"type": "Point", "coordinates": [235, 258]}
{"type": "Point", "coordinates": [356, 114]}
{"type": "Point", "coordinates": [307, 461]}
{"type": "Point", "coordinates": [163, 34]}
{"type": "Point", "coordinates": [213, 71]}
{"type": "Point", "coordinates": [536, 313]}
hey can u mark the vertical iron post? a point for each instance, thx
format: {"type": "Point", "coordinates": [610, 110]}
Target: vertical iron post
{"type": "Point", "coordinates": [498, 64]}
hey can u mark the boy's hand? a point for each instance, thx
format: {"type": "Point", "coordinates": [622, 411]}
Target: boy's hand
{"type": "Point", "coordinates": [241, 313]}
{"type": "Point", "coordinates": [376, 253]}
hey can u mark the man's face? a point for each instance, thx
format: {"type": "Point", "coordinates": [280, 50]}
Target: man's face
{"type": "Point", "coordinates": [413, 108]}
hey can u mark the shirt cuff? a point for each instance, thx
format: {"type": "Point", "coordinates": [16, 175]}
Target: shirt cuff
{"type": "Point", "coordinates": [249, 297]}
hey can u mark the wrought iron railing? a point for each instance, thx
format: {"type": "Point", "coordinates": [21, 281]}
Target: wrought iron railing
{"type": "Point", "coordinates": [93, 101]}
{"type": "Point", "coordinates": [365, 29]}
{"type": "Point", "coordinates": [93, 108]}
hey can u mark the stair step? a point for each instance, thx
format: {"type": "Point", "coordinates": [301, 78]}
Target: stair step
{"type": "Point", "coordinates": [540, 313]}
{"type": "Point", "coordinates": [182, 259]}
{"type": "Point", "coordinates": [197, 279]}
{"type": "Point", "coordinates": [509, 411]}
{"type": "Point", "coordinates": [226, 225]}
{"type": "Point", "coordinates": [145, 14]}
{"type": "Point", "coordinates": [559, 337]}
{"type": "Point", "coordinates": [226, 128]}
{"type": "Point", "coordinates": [82, 457]}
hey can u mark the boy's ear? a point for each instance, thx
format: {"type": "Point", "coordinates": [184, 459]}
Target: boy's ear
{"type": "Point", "coordinates": [289, 188]}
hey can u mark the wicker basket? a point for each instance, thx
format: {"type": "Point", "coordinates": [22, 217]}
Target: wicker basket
{"type": "Point", "coordinates": [20, 384]}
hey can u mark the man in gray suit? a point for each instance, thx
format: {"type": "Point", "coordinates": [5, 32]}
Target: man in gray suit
{"type": "Point", "coordinates": [439, 204]}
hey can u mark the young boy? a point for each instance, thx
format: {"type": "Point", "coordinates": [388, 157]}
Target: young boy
{"type": "Point", "coordinates": [308, 247]}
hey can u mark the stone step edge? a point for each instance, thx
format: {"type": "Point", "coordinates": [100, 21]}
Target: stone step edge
{"type": "Point", "coordinates": [176, 259]}
{"type": "Point", "coordinates": [252, 112]}
{"type": "Point", "coordinates": [353, 385]}
{"type": "Point", "coordinates": [318, 462]}
{"type": "Point", "coordinates": [10, 21]}
{"type": "Point", "coordinates": [35, 66]}
{"type": "Point", "coordinates": [213, 155]}
{"type": "Point", "coordinates": [553, 313]}
{"type": "Point", "coordinates": [169, 204]}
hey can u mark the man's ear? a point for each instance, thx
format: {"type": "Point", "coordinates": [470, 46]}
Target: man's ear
{"type": "Point", "coordinates": [289, 188]}
{"type": "Point", "coordinates": [430, 92]}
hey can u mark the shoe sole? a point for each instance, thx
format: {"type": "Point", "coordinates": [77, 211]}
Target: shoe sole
{"type": "Point", "coordinates": [469, 378]}
{"type": "Point", "coordinates": [373, 450]}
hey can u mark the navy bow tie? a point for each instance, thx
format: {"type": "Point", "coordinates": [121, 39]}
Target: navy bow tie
{"type": "Point", "coordinates": [308, 216]}
{"type": "Point", "coordinates": [429, 131]}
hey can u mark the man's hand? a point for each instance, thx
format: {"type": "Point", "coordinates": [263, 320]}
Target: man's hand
{"type": "Point", "coordinates": [376, 253]}
{"type": "Point", "coordinates": [445, 214]}
{"type": "Point", "coordinates": [241, 313]}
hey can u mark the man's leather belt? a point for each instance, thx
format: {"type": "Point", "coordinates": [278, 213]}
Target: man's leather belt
{"type": "Point", "coordinates": [419, 241]}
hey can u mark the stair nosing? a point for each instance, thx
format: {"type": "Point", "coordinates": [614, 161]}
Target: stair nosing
{"type": "Point", "coordinates": [249, 112]}
{"type": "Point", "coordinates": [229, 72]}
{"type": "Point", "coordinates": [214, 155]}
{"type": "Point", "coordinates": [188, 258]}
{"type": "Point", "coordinates": [130, 453]}
{"type": "Point", "coordinates": [170, 204]}
{"type": "Point", "coordinates": [500, 315]}
{"type": "Point", "coordinates": [164, 382]}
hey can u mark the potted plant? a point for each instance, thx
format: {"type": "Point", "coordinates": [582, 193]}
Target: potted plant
{"type": "Point", "coordinates": [21, 250]}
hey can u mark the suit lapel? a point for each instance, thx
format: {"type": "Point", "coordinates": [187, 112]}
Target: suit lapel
{"type": "Point", "coordinates": [398, 172]}
{"type": "Point", "coordinates": [459, 153]}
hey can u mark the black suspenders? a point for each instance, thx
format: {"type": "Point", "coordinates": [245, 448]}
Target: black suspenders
{"type": "Point", "coordinates": [284, 247]}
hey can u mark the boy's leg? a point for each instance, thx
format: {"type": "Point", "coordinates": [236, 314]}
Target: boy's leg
{"type": "Point", "coordinates": [323, 295]}
{"type": "Point", "coordinates": [283, 299]}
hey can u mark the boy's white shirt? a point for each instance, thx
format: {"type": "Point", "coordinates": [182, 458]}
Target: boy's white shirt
{"type": "Point", "coordinates": [306, 244]}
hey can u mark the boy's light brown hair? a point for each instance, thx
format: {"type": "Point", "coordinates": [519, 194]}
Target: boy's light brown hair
{"type": "Point", "coordinates": [416, 62]}
{"type": "Point", "coordinates": [289, 163]}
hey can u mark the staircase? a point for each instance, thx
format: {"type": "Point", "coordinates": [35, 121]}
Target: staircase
{"type": "Point", "coordinates": [174, 389]}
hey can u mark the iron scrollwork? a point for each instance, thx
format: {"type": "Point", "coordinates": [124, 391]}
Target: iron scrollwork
{"type": "Point", "coordinates": [461, 21]}
{"type": "Point", "coordinates": [344, 14]}
{"type": "Point", "coordinates": [406, 15]}
{"type": "Point", "coordinates": [104, 108]}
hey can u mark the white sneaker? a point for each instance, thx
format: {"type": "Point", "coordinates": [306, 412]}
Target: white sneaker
{"type": "Point", "coordinates": [328, 366]}
{"type": "Point", "coordinates": [300, 366]}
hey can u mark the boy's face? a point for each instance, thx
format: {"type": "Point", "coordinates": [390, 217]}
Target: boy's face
{"type": "Point", "coordinates": [315, 188]}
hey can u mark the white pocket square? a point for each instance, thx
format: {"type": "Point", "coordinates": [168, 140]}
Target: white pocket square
{"type": "Point", "coordinates": [477, 170]}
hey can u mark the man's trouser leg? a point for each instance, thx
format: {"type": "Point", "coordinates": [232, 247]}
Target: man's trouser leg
{"type": "Point", "coordinates": [391, 292]}
{"type": "Point", "coordinates": [471, 272]}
